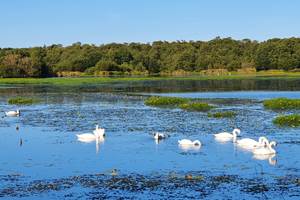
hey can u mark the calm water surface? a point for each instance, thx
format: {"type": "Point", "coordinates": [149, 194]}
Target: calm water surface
{"type": "Point", "coordinates": [44, 160]}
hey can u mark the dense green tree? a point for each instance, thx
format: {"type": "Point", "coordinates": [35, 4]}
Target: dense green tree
{"type": "Point", "coordinates": [156, 57]}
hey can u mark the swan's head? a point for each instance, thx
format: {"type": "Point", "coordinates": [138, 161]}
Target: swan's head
{"type": "Point", "coordinates": [97, 126]}
{"type": "Point", "coordinates": [236, 131]}
{"type": "Point", "coordinates": [197, 143]}
{"type": "Point", "coordinates": [263, 140]}
{"type": "Point", "coordinates": [18, 112]}
{"type": "Point", "coordinates": [273, 144]}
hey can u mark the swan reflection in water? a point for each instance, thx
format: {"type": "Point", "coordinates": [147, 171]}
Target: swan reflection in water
{"type": "Point", "coordinates": [270, 158]}
{"type": "Point", "coordinates": [189, 148]}
{"type": "Point", "coordinates": [98, 141]}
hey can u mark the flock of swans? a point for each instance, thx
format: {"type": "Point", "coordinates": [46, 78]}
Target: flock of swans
{"type": "Point", "coordinates": [261, 148]}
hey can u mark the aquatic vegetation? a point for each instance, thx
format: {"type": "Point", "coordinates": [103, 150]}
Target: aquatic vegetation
{"type": "Point", "coordinates": [226, 114]}
{"type": "Point", "coordinates": [22, 101]}
{"type": "Point", "coordinates": [282, 104]}
{"type": "Point", "coordinates": [165, 101]}
{"type": "Point", "coordinates": [288, 120]}
{"type": "Point", "coordinates": [189, 186]}
{"type": "Point", "coordinates": [196, 106]}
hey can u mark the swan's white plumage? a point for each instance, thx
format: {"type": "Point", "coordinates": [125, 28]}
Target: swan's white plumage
{"type": "Point", "coordinates": [248, 143]}
{"type": "Point", "coordinates": [225, 136]}
{"type": "Point", "coordinates": [12, 113]}
{"type": "Point", "coordinates": [97, 134]}
{"type": "Point", "coordinates": [186, 142]}
{"type": "Point", "coordinates": [265, 150]}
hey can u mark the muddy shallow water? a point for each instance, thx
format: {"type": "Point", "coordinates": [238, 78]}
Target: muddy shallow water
{"type": "Point", "coordinates": [43, 159]}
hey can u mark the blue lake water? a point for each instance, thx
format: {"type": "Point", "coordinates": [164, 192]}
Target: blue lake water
{"type": "Point", "coordinates": [44, 160]}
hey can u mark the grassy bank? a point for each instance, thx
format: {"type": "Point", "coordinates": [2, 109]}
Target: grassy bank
{"type": "Point", "coordinates": [100, 80]}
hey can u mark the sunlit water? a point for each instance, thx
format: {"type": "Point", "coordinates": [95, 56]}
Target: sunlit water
{"type": "Point", "coordinates": [43, 159]}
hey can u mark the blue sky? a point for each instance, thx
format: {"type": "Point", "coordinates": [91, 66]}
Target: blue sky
{"type": "Point", "coordinates": [26, 23]}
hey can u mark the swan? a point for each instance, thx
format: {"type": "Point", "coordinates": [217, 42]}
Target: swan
{"type": "Point", "coordinates": [97, 134]}
{"type": "Point", "coordinates": [248, 143]}
{"type": "Point", "coordinates": [266, 150]}
{"type": "Point", "coordinates": [186, 142]}
{"type": "Point", "coordinates": [187, 145]}
{"type": "Point", "coordinates": [159, 136]}
{"type": "Point", "coordinates": [12, 113]}
{"type": "Point", "coordinates": [225, 136]}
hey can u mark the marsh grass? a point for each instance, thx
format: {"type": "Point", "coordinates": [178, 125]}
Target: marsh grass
{"type": "Point", "coordinates": [282, 104]}
{"type": "Point", "coordinates": [71, 81]}
{"type": "Point", "coordinates": [22, 101]}
{"type": "Point", "coordinates": [288, 120]}
{"type": "Point", "coordinates": [227, 114]}
{"type": "Point", "coordinates": [165, 101]}
{"type": "Point", "coordinates": [196, 106]}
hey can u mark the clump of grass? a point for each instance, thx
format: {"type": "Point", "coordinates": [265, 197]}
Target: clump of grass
{"type": "Point", "coordinates": [165, 101]}
{"type": "Point", "coordinates": [196, 106]}
{"type": "Point", "coordinates": [288, 120]}
{"type": "Point", "coordinates": [227, 114]}
{"type": "Point", "coordinates": [282, 104]}
{"type": "Point", "coordinates": [22, 101]}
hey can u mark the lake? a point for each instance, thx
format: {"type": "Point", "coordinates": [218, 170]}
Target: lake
{"type": "Point", "coordinates": [44, 160]}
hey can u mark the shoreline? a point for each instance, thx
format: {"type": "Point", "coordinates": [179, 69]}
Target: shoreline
{"type": "Point", "coordinates": [82, 80]}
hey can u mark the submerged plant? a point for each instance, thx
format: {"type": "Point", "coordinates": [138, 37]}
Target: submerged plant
{"type": "Point", "coordinates": [282, 104]}
{"type": "Point", "coordinates": [196, 106]}
{"type": "Point", "coordinates": [22, 101]}
{"type": "Point", "coordinates": [165, 101]}
{"type": "Point", "coordinates": [226, 114]}
{"type": "Point", "coordinates": [288, 120]}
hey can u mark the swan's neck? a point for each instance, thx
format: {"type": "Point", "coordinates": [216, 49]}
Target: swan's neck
{"type": "Point", "coordinates": [271, 148]}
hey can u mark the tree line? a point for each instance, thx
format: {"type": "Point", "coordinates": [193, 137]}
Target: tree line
{"type": "Point", "coordinates": [151, 58]}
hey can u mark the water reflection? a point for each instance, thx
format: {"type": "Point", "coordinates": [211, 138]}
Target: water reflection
{"type": "Point", "coordinates": [187, 148]}
{"type": "Point", "coordinates": [273, 84]}
{"type": "Point", "coordinates": [271, 158]}
{"type": "Point", "coordinates": [97, 141]}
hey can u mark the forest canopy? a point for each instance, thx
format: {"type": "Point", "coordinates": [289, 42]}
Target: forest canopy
{"type": "Point", "coordinates": [151, 58]}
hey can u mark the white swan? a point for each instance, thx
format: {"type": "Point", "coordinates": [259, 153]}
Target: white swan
{"type": "Point", "coordinates": [98, 134]}
{"type": "Point", "coordinates": [186, 142]}
{"type": "Point", "coordinates": [250, 144]}
{"type": "Point", "coordinates": [266, 150]}
{"type": "Point", "coordinates": [12, 113]}
{"type": "Point", "coordinates": [225, 136]}
{"type": "Point", "coordinates": [187, 145]}
{"type": "Point", "coordinates": [159, 136]}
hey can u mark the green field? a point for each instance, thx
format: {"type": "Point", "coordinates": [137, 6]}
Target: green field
{"type": "Point", "coordinates": [100, 80]}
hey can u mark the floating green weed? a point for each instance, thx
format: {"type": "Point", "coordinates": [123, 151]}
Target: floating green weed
{"type": "Point", "coordinates": [22, 101]}
{"type": "Point", "coordinates": [196, 106]}
{"type": "Point", "coordinates": [282, 104]}
{"type": "Point", "coordinates": [288, 120]}
{"type": "Point", "coordinates": [165, 101]}
{"type": "Point", "coordinates": [227, 114]}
